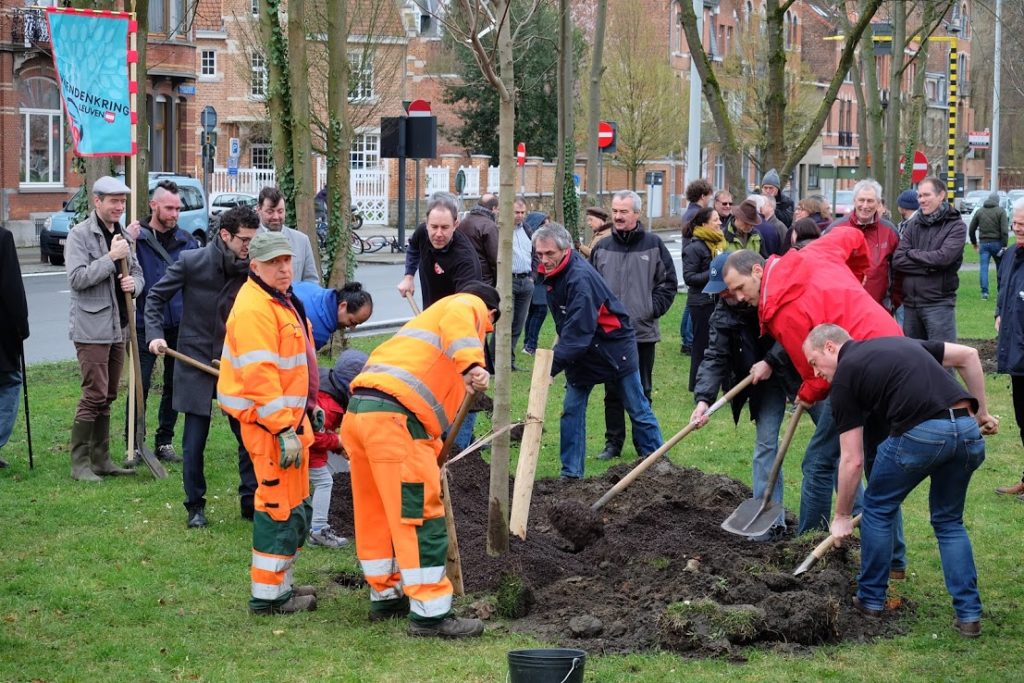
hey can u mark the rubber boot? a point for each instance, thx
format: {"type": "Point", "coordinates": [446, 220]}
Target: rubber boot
{"type": "Point", "coordinates": [100, 451]}
{"type": "Point", "coordinates": [81, 448]}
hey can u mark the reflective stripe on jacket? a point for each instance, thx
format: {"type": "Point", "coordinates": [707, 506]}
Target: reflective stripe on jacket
{"type": "Point", "coordinates": [422, 365]}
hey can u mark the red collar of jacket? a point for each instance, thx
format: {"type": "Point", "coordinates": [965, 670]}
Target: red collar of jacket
{"type": "Point", "coordinates": [557, 269]}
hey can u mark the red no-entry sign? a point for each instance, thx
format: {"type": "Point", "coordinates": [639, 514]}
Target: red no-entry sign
{"type": "Point", "coordinates": [605, 134]}
{"type": "Point", "coordinates": [920, 170]}
{"type": "Point", "coordinates": [521, 154]}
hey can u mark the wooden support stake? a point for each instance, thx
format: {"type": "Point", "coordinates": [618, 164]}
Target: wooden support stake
{"type": "Point", "coordinates": [529, 449]}
{"type": "Point", "coordinates": [453, 563]}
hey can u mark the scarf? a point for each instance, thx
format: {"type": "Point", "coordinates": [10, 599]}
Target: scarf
{"type": "Point", "coordinates": [929, 219]}
{"type": "Point", "coordinates": [713, 238]}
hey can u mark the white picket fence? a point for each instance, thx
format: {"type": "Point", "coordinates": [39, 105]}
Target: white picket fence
{"type": "Point", "coordinates": [437, 180]}
{"type": "Point", "coordinates": [493, 178]}
{"type": "Point", "coordinates": [368, 186]}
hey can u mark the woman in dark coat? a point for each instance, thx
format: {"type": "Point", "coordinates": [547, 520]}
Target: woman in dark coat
{"type": "Point", "coordinates": [706, 241]}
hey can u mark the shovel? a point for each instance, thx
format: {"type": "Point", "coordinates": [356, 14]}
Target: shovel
{"type": "Point", "coordinates": [188, 360]}
{"type": "Point", "coordinates": [454, 559]}
{"type": "Point", "coordinates": [755, 517]}
{"type": "Point", "coordinates": [820, 551]}
{"type": "Point", "coordinates": [580, 524]}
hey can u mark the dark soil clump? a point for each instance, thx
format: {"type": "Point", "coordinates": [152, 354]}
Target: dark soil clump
{"type": "Point", "coordinates": [663, 575]}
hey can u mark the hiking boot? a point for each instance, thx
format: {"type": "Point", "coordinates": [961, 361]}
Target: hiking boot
{"type": "Point", "coordinates": [81, 465]}
{"type": "Point", "coordinates": [968, 629]}
{"type": "Point", "coordinates": [327, 538]}
{"type": "Point", "coordinates": [301, 603]}
{"type": "Point", "coordinates": [1015, 490]}
{"type": "Point", "coordinates": [449, 627]}
{"type": "Point", "coordinates": [865, 610]}
{"type": "Point", "coordinates": [165, 452]}
{"type": "Point", "coordinates": [100, 449]}
{"type": "Point", "coordinates": [898, 574]}
{"type": "Point", "coordinates": [610, 451]}
{"type": "Point", "coordinates": [196, 520]}
{"type": "Point", "coordinates": [303, 591]}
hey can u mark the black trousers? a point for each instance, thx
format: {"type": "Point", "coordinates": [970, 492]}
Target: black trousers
{"type": "Point", "coordinates": [1017, 389]}
{"type": "Point", "coordinates": [614, 411]}
{"type": "Point", "coordinates": [193, 476]}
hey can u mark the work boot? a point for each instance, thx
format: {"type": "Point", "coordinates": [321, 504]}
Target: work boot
{"type": "Point", "coordinates": [449, 627]}
{"type": "Point", "coordinates": [610, 451]}
{"type": "Point", "coordinates": [301, 603]}
{"type": "Point", "coordinates": [1015, 490]}
{"type": "Point", "coordinates": [81, 433]}
{"type": "Point", "coordinates": [397, 608]}
{"type": "Point", "coordinates": [302, 591]}
{"type": "Point", "coordinates": [133, 460]}
{"type": "Point", "coordinates": [197, 519]}
{"type": "Point", "coordinates": [100, 448]}
{"type": "Point", "coordinates": [968, 629]}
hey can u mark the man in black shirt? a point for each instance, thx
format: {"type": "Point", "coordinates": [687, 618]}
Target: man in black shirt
{"type": "Point", "coordinates": [933, 432]}
{"type": "Point", "coordinates": [445, 258]}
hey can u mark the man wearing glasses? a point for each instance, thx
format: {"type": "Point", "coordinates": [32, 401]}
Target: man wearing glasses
{"type": "Point", "coordinates": [723, 205]}
{"type": "Point", "coordinates": [208, 279]}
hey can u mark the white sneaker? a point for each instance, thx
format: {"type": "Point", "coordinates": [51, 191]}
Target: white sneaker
{"type": "Point", "coordinates": [327, 538]}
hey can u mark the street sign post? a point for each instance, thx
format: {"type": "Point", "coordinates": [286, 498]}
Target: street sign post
{"type": "Point", "coordinates": [208, 119]}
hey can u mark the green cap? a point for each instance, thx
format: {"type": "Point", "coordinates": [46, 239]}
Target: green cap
{"type": "Point", "coordinates": [269, 245]}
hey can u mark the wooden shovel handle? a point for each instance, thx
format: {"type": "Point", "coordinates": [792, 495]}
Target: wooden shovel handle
{"type": "Point", "coordinates": [453, 430]}
{"type": "Point", "coordinates": [412, 303]}
{"type": "Point", "coordinates": [191, 361]}
{"type": "Point", "coordinates": [664, 448]}
{"type": "Point", "coordinates": [787, 439]}
{"type": "Point", "coordinates": [822, 548]}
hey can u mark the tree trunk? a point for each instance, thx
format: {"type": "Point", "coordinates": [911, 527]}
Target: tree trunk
{"type": "Point", "coordinates": [863, 151]}
{"type": "Point", "coordinates": [278, 100]}
{"type": "Point", "coordinates": [566, 124]}
{"type": "Point", "coordinates": [140, 183]}
{"type": "Point", "coordinates": [874, 112]}
{"type": "Point", "coordinates": [498, 506]}
{"type": "Point", "coordinates": [302, 141]}
{"type": "Point", "coordinates": [775, 101]}
{"type": "Point", "coordinates": [341, 265]}
{"type": "Point", "coordinates": [916, 118]}
{"type": "Point", "coordinates": [594, 111]}
{"type": "Point", "coordinates": [893, 181]}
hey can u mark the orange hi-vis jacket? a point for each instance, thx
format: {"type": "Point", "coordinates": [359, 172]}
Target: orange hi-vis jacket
{"type": "Point", "coordinates": [422, 365]}
{"type": "Point", "coordinates": [264, 383]}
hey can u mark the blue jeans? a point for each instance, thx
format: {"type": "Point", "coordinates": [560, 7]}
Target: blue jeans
{"type": "Point", "coordinates": [534, 321]}
{"type": "Point", "coordinates": [770, 413]}
{"type": "Point", "coordinates": [821, 475]}
{"type": "Point", "coordinates": [947, 451]}
{"type": "Point", "coordinates": [10, 392]}
{"type": "Point", "coordinates": [573, 437]}
{"type": "Point", "coordinates": [686, 327]}
{"type": "Point", "coordinates": [522, 295]}
{"type": "Point", "coordinates": [465, 435]}
{"type": "Point", "coordinates": [986, 249]}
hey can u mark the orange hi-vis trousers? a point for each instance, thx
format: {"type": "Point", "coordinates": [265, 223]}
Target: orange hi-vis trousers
{"type": "Point", "coordinates": [401, 540]}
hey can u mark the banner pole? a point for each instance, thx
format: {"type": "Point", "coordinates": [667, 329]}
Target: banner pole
{"type": "Point", "coordinates": [133, 174]}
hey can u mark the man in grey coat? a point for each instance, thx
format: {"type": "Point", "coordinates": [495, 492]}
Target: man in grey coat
{"type": "Point", "coordinates": [271, 210]}
{"type": "Point", "coordinates": [639, 270]}
{"type": "Point", "coordinates": [98, 322]}
{"type": "Point", "coordinates": [205, 277]}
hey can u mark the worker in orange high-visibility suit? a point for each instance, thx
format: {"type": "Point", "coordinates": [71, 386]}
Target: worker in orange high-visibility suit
{"type": "Point", "coordinates": [268, 382]}
{"type": "Point", "coordinates": [401, 405]}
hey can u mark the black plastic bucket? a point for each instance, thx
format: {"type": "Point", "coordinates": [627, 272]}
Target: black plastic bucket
{"type": "Point", "coordinates": [556, 665]}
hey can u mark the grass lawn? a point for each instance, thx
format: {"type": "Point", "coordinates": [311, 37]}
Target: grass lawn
{"type": "Point", "coordinates": [104, 582]}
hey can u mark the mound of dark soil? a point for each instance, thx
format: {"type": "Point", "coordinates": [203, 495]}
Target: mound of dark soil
{"type": "Point", "coordinates": [664, 573]}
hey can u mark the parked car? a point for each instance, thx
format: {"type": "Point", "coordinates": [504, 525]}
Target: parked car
{"type": "Point", "coordinates": [193, 218]}
{"type": "Point", "coordinates": [844, 203]}
{"type": "Point", "coordinates": [222, 201]}
{"type": "Point", "coordinates": [973, 199]}
{"type": "Point", "coordinates": [1012, 196]}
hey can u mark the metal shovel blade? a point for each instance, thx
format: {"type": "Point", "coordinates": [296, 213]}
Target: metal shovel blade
{"type": "Point", "coordinates": [749, 519]}
{"type": "Point", "coordinates": [154, 465]}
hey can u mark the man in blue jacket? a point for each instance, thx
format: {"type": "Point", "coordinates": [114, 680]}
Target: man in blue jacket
{"type": "Point", "coordinates": [159, 243]}
{"type": "Point", "coordinates": [596, 345]}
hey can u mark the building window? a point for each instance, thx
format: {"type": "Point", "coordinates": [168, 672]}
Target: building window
{"type": "Point", "coordinates": [813, 176]}
{"type": "Point", "coordinates": [260, 156]}
{"type": "Point", "coordinates": [167, 17]}
{"type": "Point", "coordinates": [365, 151]}
{"type": "Point", "coordinates": [208, 63]}
{"type": "Point", "coordinates": [42, 142]}
{"type": "Point", "coordinates": [719, 171]}
{"type": "Point", "coordinates": [258, 77]}
{"type": "Point", "coordinates": [361, 79]}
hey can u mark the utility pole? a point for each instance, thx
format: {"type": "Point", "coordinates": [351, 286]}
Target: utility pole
{"type": "Point", "coordinates": [997, 68]}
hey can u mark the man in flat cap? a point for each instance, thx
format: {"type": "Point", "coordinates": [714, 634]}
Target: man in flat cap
{"type": "Point", "coordinates": [99, 322]}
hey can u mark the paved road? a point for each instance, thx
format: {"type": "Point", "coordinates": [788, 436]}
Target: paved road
{"type": "Point", "coordinates": [49, 297]}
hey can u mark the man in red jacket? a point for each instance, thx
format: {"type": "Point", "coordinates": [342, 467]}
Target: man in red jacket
{"type": "Point", "coordinates": [821, 283]}
{"type": "Point", "coordinates": [881, 239]}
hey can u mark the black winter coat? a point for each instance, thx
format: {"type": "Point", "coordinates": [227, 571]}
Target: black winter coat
{"type": "Point", "coordinates": [1010, 310]}
{"type": "Point", "coordinates": [13, 305]}
{"type": "Point", "coordinates": [596, 341]}
{"type": "Point", "coordinates": [929, 256]}
{"type": "Point", "coordinates": [696, 272]}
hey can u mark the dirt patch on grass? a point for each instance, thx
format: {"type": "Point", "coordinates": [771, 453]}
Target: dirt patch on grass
{"type": "Point", "coordinates": [663, 575]}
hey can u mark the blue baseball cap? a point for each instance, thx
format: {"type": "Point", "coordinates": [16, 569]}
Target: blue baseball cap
{"type": "Point", "coordinates": [716, 283]}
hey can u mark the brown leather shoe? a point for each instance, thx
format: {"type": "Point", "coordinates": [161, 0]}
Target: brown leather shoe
{"type": "Point", "coordinates": [897, 574]}
{"type": "Point", "coordinates": [968, 629]}
{"type": "Point", "coordinates": [1015, 490]}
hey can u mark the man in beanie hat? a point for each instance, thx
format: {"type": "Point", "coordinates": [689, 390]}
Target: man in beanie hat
{"type": "Point", "coordinates": [269, 382]}
{"type": "Point", "coordinates": [99, 322]}
{"type": "Point", "coordinates": [333, 400]}
{"type": "Point", "coordinates": [401, 405]}
{"type": "Point", "coordinates": [771, 185]}
{"type": "Point", "coordinates": [907, 205]}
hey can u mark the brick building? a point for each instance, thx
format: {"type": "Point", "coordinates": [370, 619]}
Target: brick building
{"type": "Point", "coordinates": [35, 163]}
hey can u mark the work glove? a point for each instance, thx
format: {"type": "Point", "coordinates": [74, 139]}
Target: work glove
{"type": "Point", "coordinates": [291, 448]}
{"type": "Point", "coordinates": [317, 417]}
